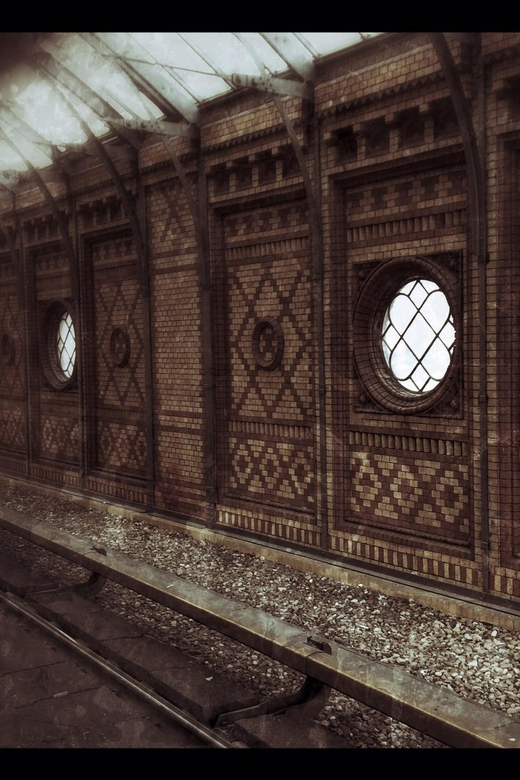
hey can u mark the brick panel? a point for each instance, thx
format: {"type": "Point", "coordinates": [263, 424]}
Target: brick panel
{"type": "Point", "coordinates": [266, 279]}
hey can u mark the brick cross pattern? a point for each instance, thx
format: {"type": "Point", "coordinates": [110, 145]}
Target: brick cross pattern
{"type": "Point", "coordinates": [11, 376]}
{"type": "Point", "coordinates": [119, 303]}
{"type": "Point", "coordinates": [279, 290]}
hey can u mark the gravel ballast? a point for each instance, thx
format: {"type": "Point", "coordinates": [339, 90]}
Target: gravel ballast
{"type": "Point", "coordinates": [473, 659]}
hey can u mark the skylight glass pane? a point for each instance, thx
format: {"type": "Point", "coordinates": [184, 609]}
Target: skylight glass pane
{"type": "Point", "coordinates": [96, 125]}
{"type": "Point", "coordinates": [48, 115]}
{"type": "Point", "coordinates": [32, 152]}
{"type": "Point", "coordinates": [9, 159]}
{"type": "Point", "coordinates": [226, 51]}
{"type": "Point", "coordinates": [170, 49]}
{"type": "Point", "coordinates": [327, 42]}
{"type": "Point", "coordinates": [266, 53]}
{"type": "Point", "coordinates": [186, 67]}
{"type": "Point", "coordinates": [104, 76]}
{"type": "Point", "coordinates": [125, 45]}
{"type": "Point", "coordinates": [203, 87]}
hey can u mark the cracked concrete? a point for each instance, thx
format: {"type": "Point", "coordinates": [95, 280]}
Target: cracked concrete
{"type": "Point", "coordinates": [49, 699]}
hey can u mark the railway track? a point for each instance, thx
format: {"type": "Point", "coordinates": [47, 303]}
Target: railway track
{"type": "Point", "coordinates": [166, 712]}
{"type": "Point", "coordinates": [455, 721]}
{"type": "Point", "coordinates": [55, 609]}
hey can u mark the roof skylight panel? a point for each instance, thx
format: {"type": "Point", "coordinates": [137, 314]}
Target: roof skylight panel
{"type": "Point", "coordinates": [104, 76]}
{"type": "Point", "coordinates": [227, 53]}
{"type": "Point", "coordinates": [9, 159]}
{"type": "Point", "coordinates": [97, 126]}
{"type": "Point", "coordinates": [33, 153]}
{"type": "Point", "coordinates": [328, 42]}
{"type": "Point", "coordinates": [267, 54]}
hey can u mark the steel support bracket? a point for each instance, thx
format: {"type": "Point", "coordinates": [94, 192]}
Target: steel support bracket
{"type": "Point", "coordinates": [87, 589]}
{"type": "Point", "coordinates": [91, 587]}
{"type": "Point", "coordinates": [115, 152]}
{"type": "Point", "coordinates": [159, 127]}
{"type": "Point", "coordinates": [310, 698]}
{"type": "Point", "coordinates": [274, 85]}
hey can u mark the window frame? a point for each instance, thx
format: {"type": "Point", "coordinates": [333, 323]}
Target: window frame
{"type": "Point", "coordinates": [54, 376]}
{"type": "Point", "coordinates": [374, 299]}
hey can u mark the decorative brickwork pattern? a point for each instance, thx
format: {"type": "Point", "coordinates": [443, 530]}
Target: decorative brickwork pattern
{"type": "Point", "coordinates": [120, 445]}
{"type": "Point", "coordinates": [118, 302]}
{"type": "Point", "coordinates": [12, 428]}
{"type": "Point", "coordinates": [59, 438]}
{"type": "Point", "coordinates": [283, 471]}
{"type": "Point", "coordinates": [12, 382]}
{"type": "Point", "coordinates": [403, 486]}
{"type": "Point", "coordinates": [267, 279]}
{"type": "Point", "coordinates": [54, 410]}
{"type": "Point", "coordinates": [421, 497]}
{"type": "Point", "coordinates": [253, 290]}
{"type": "Point", "coordinates": [389, 494]}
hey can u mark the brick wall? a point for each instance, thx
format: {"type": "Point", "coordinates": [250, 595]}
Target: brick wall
{"type": "Point", "coordinates": [358, 471]}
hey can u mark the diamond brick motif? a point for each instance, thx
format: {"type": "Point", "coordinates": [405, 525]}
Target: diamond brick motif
{"type": "Point", "coordinates": [277, 289]}
{"type": "Point", "coordinates": [421, 496]}
{"type": "Point", "coordinates": [267, 359]}
{"type": "Point", "coordinates": [12, 429]}
{"type": "Point", "coordinates": [121, 446]}
{"type": "Point", "coordinates": [11, 323]}
{"type": "Point", "coordinates": [119, 303]}
{"type": "Point", "coordinates": [59, 439]}
{"type": "Point", "coordinates": [273, 473]}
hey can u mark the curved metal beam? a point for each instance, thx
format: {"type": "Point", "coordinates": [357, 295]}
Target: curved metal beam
{"type": "Point", "coordinates": [158, 87]}
{"type": "Point", "coordinates": [478, 234]}
{"type": "Point", "coordinates": [317, 264]}
{"type": "Point", "coordinates": [51, 201]}
{"type": "Point", "coordinates": [476, 179]}
{"type": "Point", "coordinates": [49, 67]}
{"type": "Point", "coordinates": [96, 144]}
{"type": "Point", "coordinates": [10, 245]}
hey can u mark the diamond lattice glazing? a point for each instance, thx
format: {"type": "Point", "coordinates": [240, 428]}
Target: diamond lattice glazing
{"type": "Point", "coordinates": [418, 336]}
{"type": "Point", "coordinates": [66, 344]}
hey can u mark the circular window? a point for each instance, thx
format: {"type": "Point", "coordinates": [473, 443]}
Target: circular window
{"type": "Point", "coordinates": [405, 324]}
{"type": "Point", "coordinates": [66, 344]}
{"type": "Point", "coordinates": [418, 336]}
{"type": "Point", "coordinates": [59, 346]}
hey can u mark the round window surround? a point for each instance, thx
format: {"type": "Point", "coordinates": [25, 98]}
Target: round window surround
{"type": "Point", "coordinates": [405, 324]}
{"type": "Point", "coordinates": [59, 346]}
{"type": "Point", "coordinates": [7, 349]}
{"type": "Point", "coordinates": [120, 346]}
{"type": "Point", "coordinates": [267, 343]}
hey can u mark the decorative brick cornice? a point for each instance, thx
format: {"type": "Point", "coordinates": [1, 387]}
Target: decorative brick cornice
{"type": "Point", "coordinates": [502, 54]}
{"type": "Point", "coordinates": [374, 97]}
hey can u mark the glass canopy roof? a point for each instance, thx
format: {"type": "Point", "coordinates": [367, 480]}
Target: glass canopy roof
{"type": "Point", "coordinates": [112, 78]}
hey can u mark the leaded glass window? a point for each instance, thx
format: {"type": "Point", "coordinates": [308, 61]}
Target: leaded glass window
{"type": "Point", "coordinates": [418, 336]}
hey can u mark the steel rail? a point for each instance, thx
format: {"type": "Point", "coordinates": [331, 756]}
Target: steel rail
{"type": "Point", "coordinates": [433, 710]}
{"type": "Point", "coordinates": [135, 686]}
